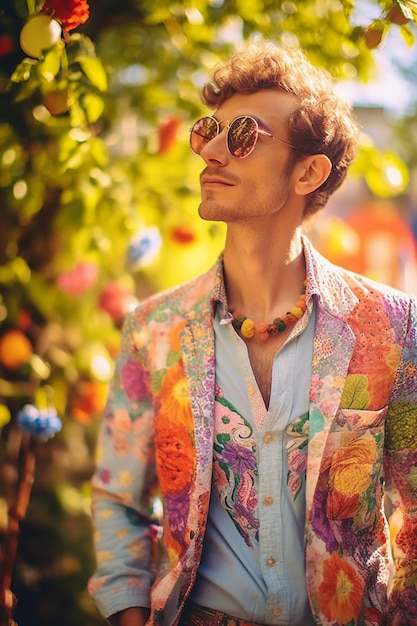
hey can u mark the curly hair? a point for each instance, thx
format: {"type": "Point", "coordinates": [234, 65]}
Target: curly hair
{"type": "Point", "coordinates": [323, 121]}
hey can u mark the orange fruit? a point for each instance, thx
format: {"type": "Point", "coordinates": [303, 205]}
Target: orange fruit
{"type": "Point", "coordinates": [56, 101]}
{"type": "Point", "coordinates": [90, 399]}
{"type": "Point", "coordinates": [15, 349]}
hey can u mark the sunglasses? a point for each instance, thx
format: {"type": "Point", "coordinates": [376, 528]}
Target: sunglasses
{"type": "Point", "coordinates": [241, 137]}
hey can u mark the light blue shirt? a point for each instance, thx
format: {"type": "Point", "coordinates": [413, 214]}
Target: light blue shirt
{"type": "Point", "coordinates": [256, 571]}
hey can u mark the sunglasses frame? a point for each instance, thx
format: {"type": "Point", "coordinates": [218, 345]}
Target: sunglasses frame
{"type": "Point", "coordinates": [226, 124]}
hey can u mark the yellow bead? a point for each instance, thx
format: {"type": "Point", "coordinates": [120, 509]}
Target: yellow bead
{"type": "Point", "coordinates": [297, 312]}
{"type": "Point", "coordinates": [248, 329]}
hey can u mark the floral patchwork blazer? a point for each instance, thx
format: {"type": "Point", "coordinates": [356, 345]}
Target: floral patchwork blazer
{"type": "Point", "coordinates": [157, 442]}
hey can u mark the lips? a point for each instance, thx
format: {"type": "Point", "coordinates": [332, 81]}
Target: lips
{"type": "Point", "coordinates": [214, 180]}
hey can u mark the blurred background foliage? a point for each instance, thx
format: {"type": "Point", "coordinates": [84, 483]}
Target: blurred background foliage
{"type": "Point", "coordinates": [98, 197]}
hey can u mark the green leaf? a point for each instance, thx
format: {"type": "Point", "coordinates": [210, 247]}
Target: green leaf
{"type": "Point", "coordinates": [408, 35]}
{"type": "Point", "coordinates": [93, 106]}
{"type": "Point", "coordinates": [316, 422]}
{"type": "Point", "coordinates": [157, 379]}
{"type": "Point", "coordinates": [94, 71]}
{"type": "Point", "coordinates": [51, 64]}
{"type": "Point", "coordinates": [173, 357]}
{"type": "Point", "coordinates": [99, 151]}
{"type": "Point", "coordinates": [17, 270]}
{"type": "Point", "coordinates": [23, 71]}
{"type": "Point", "coordinates": [355, 393]}
{"type": "Point", "coordinates": [401, 426]}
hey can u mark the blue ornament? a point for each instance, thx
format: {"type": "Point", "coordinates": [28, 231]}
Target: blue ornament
{"type": "Point", "coordinates": [42, 423]}
{"type": "Point", "coordinates": [143, 248]}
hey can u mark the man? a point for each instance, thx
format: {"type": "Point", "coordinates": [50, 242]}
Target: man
{"type": "Point", "coordinates": [271, 438]}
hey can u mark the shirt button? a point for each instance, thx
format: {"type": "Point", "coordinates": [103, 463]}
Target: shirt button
{"type": "Point", "coordinates": [251, 390]}
{"type": "Point", "coordinates": [267, 437]}
{"type": "Point", "coordinates": [277, 612]}
{"type": "Point", "coordinates": [270, 561]}
{"type": "Point", "coordinates": [268, 500]}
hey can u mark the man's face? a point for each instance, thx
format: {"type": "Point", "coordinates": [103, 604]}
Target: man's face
{"type": "Point", "coordinates": [259, 185]}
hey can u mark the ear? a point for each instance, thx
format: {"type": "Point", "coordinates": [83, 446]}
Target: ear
{"type": "Point", "coordinates": [311, 171]}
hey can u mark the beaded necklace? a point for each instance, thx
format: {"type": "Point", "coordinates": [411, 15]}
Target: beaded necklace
{"type": "Point", "coordinates": [248, 329]}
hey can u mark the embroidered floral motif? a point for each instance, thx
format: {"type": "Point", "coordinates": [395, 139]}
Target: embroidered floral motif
{"type": "Point", "coordinates": [135, 379]}
{"type": "Point", "coordinates": [235, 468]}
{"type": "Point", "coordinates": [297, 454]}
{"type": "Point", "coordinates": [175, 456]}
{"type": "Point", "coordinates": [341, 591]}
{"type": "Point", "coordinates": [353, 480]}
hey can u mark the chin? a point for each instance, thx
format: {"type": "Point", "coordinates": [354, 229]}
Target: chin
{"type": "Point", "coordinates": [211, 211]}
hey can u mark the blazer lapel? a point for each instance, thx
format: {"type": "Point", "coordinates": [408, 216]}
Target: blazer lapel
{"type": "Point", "coordinates": [333, 346]}
{"type": "Point", "coordinates": [334, 342]}
{"type": "Point", "coordinates": [197, 342]}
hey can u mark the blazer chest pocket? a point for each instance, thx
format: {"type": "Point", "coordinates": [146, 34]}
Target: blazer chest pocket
{"type": "Point", "coordinates": [355, 421]}
{"type": "Point", "coordinates": [353, 463]}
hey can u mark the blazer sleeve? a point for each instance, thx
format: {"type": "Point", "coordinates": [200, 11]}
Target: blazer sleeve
{"type": "Point", "coordinates": [124, 483]}
{"type": "Point", "coordinates": [401, 479]}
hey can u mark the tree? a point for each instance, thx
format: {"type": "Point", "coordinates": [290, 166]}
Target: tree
{"type": "Point", "coordinates": [98, 191]}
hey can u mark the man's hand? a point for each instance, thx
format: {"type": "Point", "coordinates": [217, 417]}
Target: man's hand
{"type": "Point", "coordinates": [135, 616]}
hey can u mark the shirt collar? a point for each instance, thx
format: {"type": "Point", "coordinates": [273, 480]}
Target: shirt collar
{"type": "Point", "coordinates": [218, 298]}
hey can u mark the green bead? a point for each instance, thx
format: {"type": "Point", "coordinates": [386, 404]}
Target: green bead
{"type": "Point", "coordinates": [280, 324]}
{"type": "Point", "coordinates": [238, 321]}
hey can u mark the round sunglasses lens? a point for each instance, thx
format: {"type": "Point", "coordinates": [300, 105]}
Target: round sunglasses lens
{"type": "Point", "coordinates": [242, 136]}
{"type": "Point", "coordinates": [202, 132]}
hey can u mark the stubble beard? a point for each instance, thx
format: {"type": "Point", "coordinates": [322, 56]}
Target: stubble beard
{"type": "Point", "coordinates": [211, 209]}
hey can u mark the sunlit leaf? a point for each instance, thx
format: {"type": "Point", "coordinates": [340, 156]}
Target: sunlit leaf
{"type": "Point", "coordinates": [51, 64]}
{"type": "Point", "coordinates": [94, 71]}
{"type": "Point", "coordinates": [99, 151]}
{"type": "Point", "coordinates": [93, 106]}
{"type": "Point", "coordinates": [408, 36]}
{"type": "Point", "coordinates": [23, 71]}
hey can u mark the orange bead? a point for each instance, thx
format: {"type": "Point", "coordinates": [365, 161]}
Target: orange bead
{"type": "Point", "coordinates": [301, 302]}
{"type": "Point", "coordinates": [289, 319]}
{"type": "Point", "coordinates": [261, 331]}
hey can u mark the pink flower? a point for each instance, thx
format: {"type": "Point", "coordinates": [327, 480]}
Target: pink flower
{"type": "Point", "coordinates": [79, 279]}
{"type": "Point", "coordinates": [136, 381]}
{"type": "Point", "coordinates": [116, 300]}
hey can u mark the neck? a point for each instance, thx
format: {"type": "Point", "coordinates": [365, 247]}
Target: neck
{"type": "Point", "coordinates": [263, 275]}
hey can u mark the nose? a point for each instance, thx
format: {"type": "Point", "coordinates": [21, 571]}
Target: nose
{"type": "Point", "coordinates": [215, 150]}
